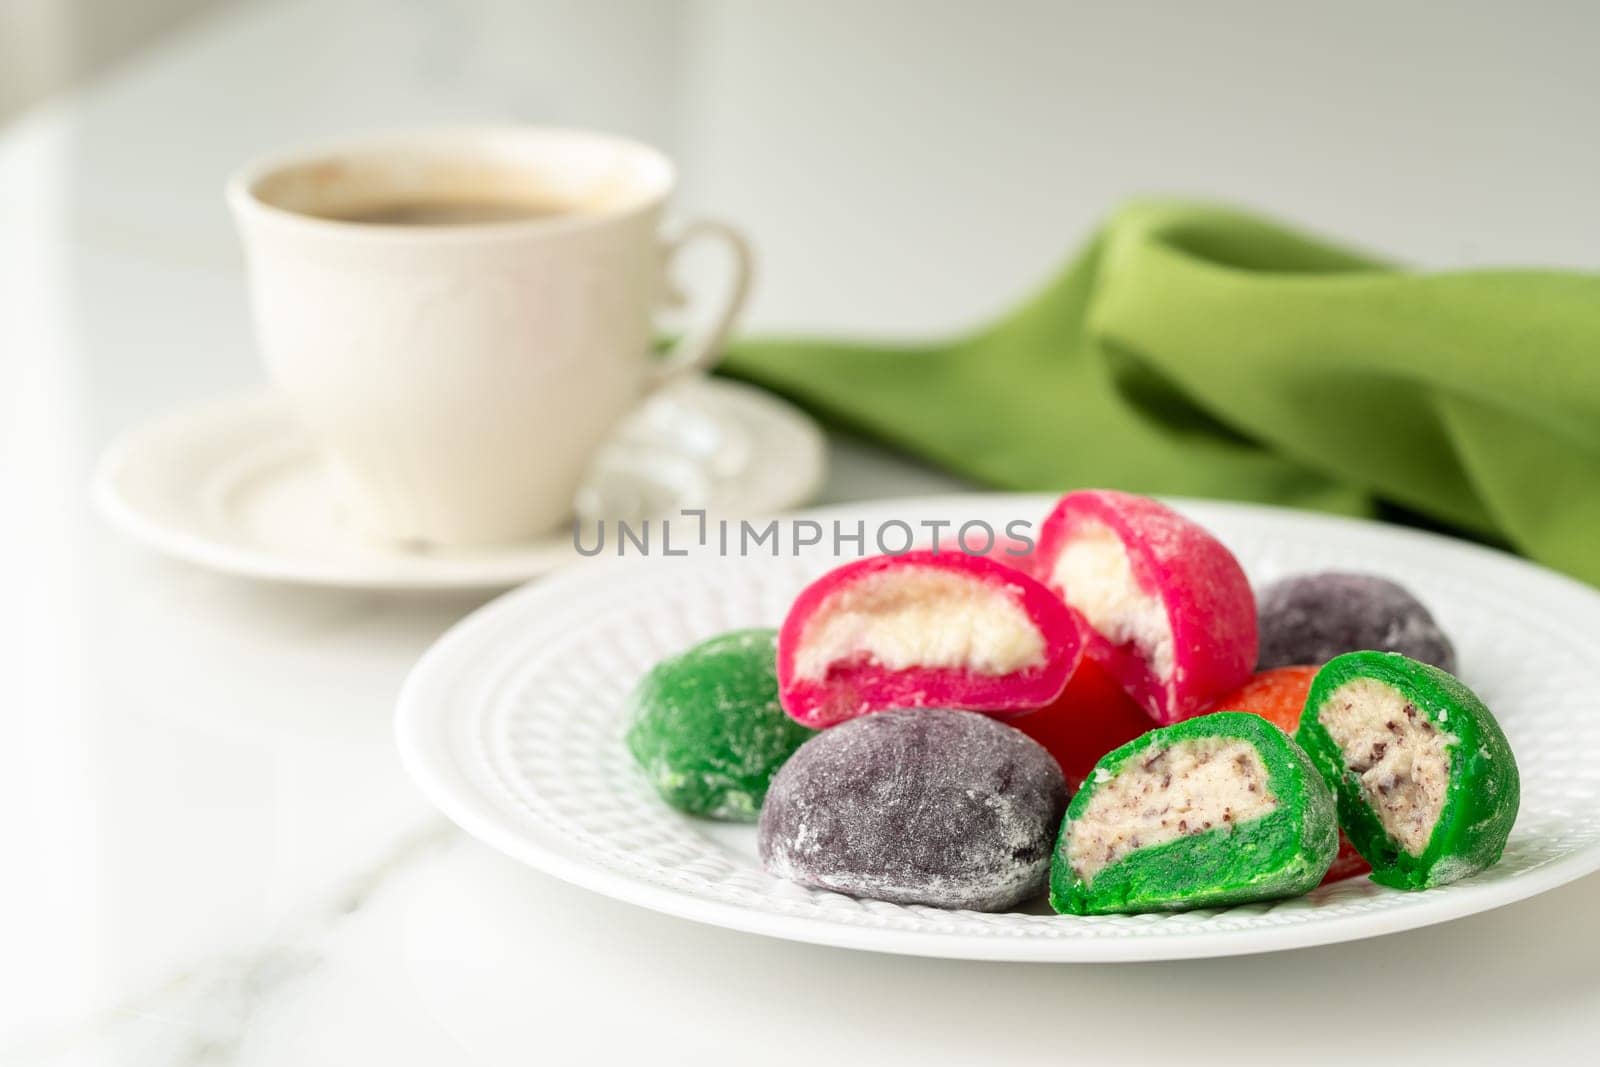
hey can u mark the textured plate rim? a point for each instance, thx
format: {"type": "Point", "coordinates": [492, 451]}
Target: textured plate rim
{"type": "Point", "coordinates": [421, 713]}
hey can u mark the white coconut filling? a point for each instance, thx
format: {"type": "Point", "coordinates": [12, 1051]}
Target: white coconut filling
{"type": "Point", "coordinates": [1095, 576]}
{"type": "Point", "coordinates": [921, 617]}
{"type": "Point", "coordinates": [1400, 757]}
{"type": "Point", "coordinates": [1186, 788]}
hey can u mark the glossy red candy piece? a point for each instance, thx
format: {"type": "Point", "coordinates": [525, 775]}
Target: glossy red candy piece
{"type": "Point", "coordinates": [1091, 717]}
{"type": "Point", "coordinates": [1279, 696]}
{"type": "Point", "coordinates": [924, 629]}
{"type": "Point", "coordinates": [1347, 864]}
{"type": "Point", "coordinates": [1171, 614]}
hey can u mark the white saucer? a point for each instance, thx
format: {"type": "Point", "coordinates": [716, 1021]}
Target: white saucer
{"type": "Point", "coordinates": [236, 486]}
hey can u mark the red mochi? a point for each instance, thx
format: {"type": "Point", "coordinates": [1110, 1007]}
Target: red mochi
{"type": "Point", "coordinates": [1167, 608]}
{"type": "Point", "coordinates": [924, 629]}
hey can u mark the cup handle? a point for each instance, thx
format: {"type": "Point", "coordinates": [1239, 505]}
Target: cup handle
{"type": "Point", "coordinates": [698, 349]}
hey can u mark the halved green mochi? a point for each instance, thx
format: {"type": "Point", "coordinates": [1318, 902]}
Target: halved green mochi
{"type": "Point", "coordinates": [708, 730]}
{"type": "Point", "coordinates": [1216, 810]}
{"type": "Point", "coordinates": [1426, 783]}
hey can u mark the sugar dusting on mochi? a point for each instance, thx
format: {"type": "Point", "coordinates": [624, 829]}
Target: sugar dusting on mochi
{"type": "Point", "coordinates": [1311, 618]}
{"type": "Point", "coordinates": [926, 806]}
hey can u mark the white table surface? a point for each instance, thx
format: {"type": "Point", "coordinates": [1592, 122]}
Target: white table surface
{"type": "Point", "coordinates": [212, 854]}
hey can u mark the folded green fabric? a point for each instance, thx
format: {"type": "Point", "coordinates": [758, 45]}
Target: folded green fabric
{"type": "Point", "coordinates": [1196, 350]}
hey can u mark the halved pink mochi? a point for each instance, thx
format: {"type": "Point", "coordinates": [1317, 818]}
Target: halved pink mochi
{"type": "Point", "coordinates": [921, 630]}
{"type": "Point", "coordinates": [1168, 610]}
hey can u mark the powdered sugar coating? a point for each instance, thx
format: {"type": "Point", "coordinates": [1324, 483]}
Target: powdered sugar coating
{"type": "Point", "coordinates": [927, 806]}
{"type": "Point", "coordinates": [913, 639]}
{"type": "Point", "coordinates": [1311, 618]}
{"type": "Point", "coordinates": [1210, 609]}
{"type": "Point", "coordinates": [707, 729]}
{"type": "Point", "coordinates": [1095, 575]}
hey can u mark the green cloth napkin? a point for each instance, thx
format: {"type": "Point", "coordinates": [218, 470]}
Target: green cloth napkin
{"type": "Point", "coordinates": [1197, 350]}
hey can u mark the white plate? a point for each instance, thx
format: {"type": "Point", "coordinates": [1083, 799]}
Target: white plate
{"type": "Point", "coordinates": [236, 486]}
{"type": "Point", "coordinates": [513, 722]}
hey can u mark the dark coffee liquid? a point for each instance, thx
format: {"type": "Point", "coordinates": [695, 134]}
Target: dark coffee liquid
{"type": "Point", "coordinates": [443, 212]}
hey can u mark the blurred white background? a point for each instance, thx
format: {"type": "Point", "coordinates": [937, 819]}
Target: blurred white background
{"type": "Point", "coordinates": [903, 168]}
{"type": "Point", "coordinates": [48, 45]}
{"type": "Point", "coordinates": [913, 165]}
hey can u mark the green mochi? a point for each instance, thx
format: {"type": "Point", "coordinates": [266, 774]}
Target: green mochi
{"type": "Point", "coordinates": [1282, 853]}
{"type": "Point", "coordinates": [1484, 789]}
{"type": "Point", "coordinates": [707, 727]}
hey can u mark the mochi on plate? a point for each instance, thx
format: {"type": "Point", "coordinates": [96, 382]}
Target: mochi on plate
{"type": "Point", "coordinates": [924, 629]}
{"type": "Point", "coordinates": [1168, 609]}
{"type": "Point", "coordinates": [1221, 809]}
{"type": "Point", "coordinates": [1428, 788]}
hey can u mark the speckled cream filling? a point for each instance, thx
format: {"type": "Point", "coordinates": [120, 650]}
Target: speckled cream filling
{"type": "Point", "coordinates": [1401, 758]}
{"type": "Point", "coordinates": [1095, 576]}
{"type": "Point", "coordinates": [921, 617]}
{"type": "Point", "coordinates": [1167, 793]}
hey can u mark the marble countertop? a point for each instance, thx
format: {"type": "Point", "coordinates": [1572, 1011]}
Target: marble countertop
{"type": "Point", "coordinates": [214, 855]}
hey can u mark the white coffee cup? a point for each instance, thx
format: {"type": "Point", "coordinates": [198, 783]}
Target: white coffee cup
{"type": "Point", "coordinates": [459, 375]}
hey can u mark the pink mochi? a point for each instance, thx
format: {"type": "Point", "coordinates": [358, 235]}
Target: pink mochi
{"type": "Point", "coordinates": [922, 630]}
{"type": "Point", "coordinates": [1167, 609]}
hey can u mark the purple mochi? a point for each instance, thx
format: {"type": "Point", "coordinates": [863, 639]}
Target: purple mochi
{"type": "Point", "coordinates": [1311, 618]}
{"type": "Point", "coordinates": [927, 806]}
